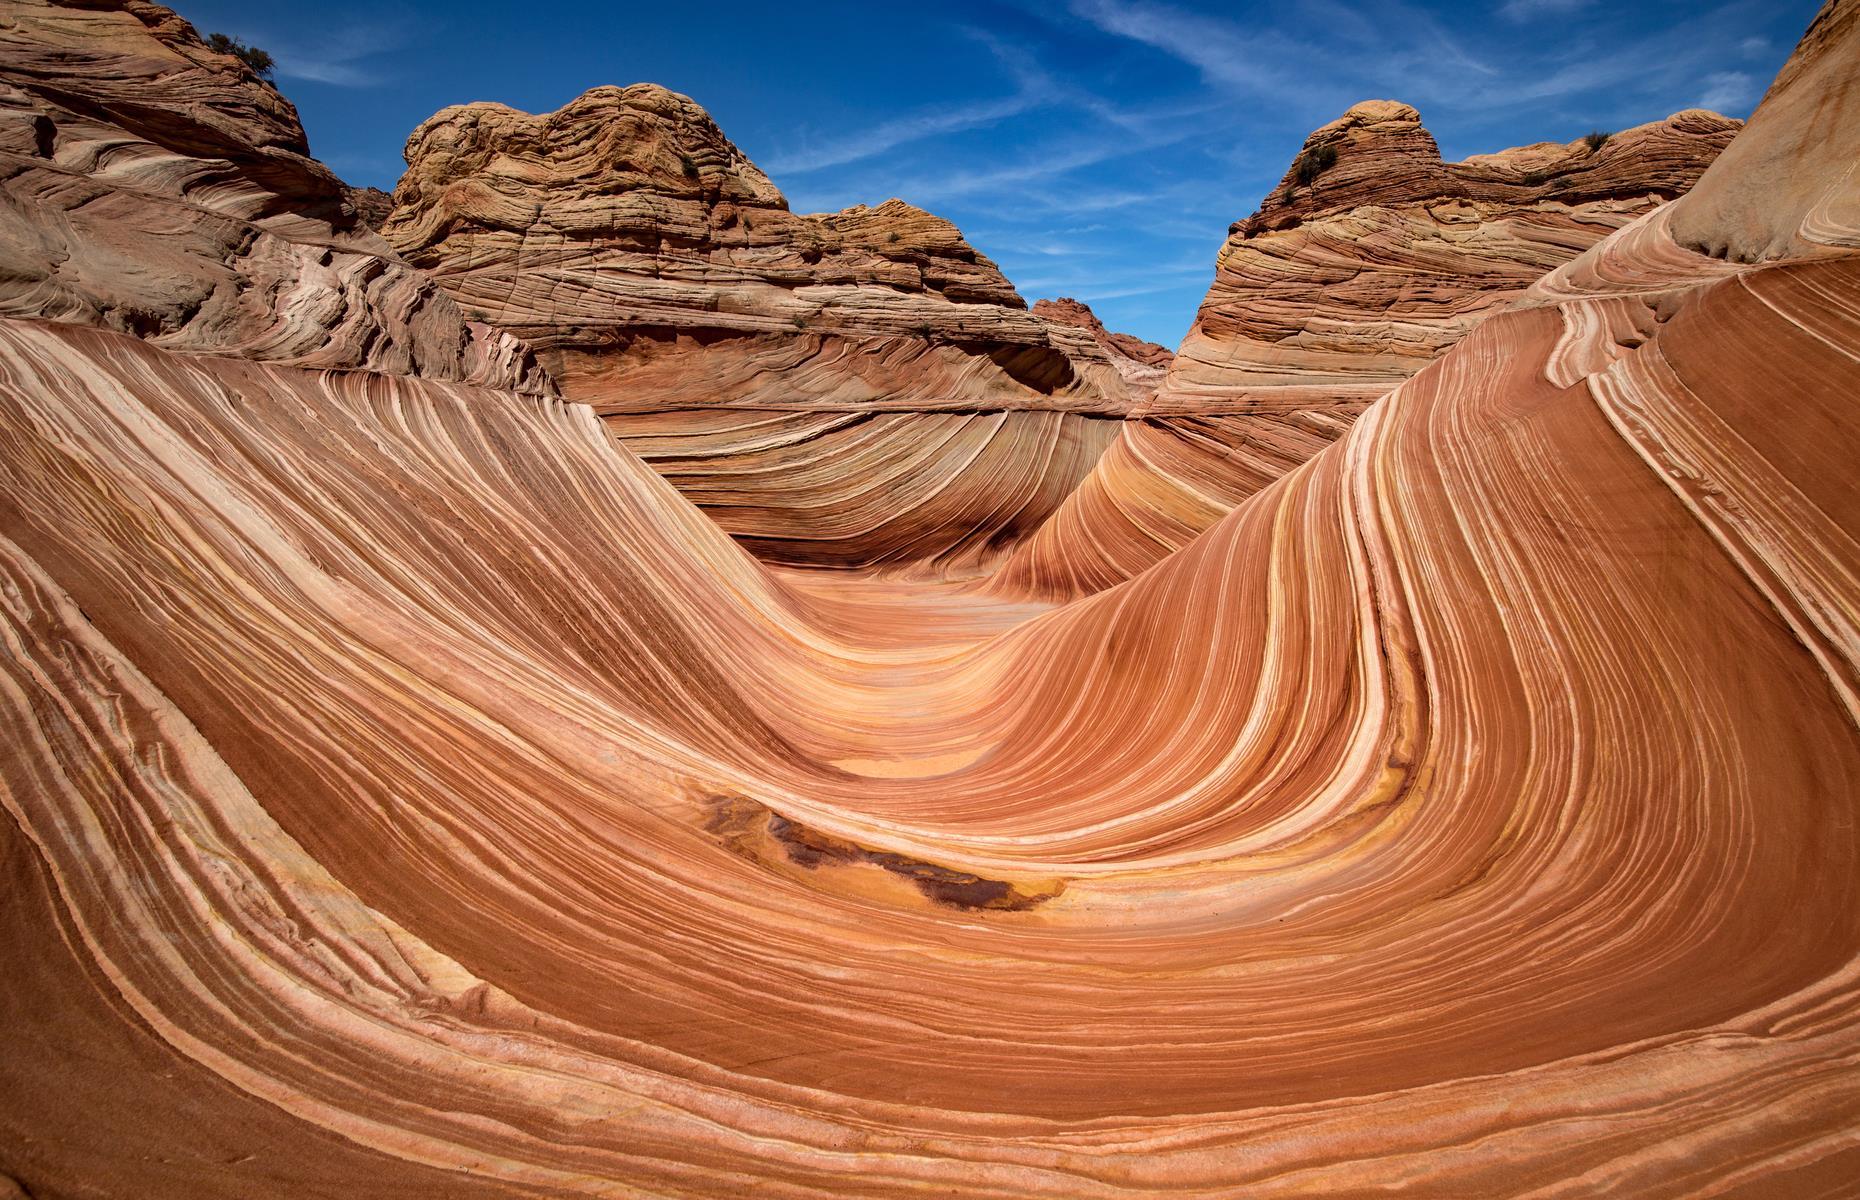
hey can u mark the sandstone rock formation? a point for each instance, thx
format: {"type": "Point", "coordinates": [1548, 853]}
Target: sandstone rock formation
{"type": "Point", "coordinates": [150, 185]}
{"type": "Point", "coordinates": [1339, 288]}
{"type": "Point", "coordinates": [1141, 363]}
{"type": "Point", "coordinates": [372, 205]}
{"type": "Point", "coordinates": [851, 389]}
{"type": "Point", "coordinates": [1351, 277]}
{"type": "Point", "coordinates": [408, 793]}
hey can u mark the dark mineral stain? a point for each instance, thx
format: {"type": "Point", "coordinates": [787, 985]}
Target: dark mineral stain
{"type": "Point", "coordinates": [813, 849]}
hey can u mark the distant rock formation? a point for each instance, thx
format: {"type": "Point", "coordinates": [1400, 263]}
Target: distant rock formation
{"type": "Point", "coordinates": [836, 389]}
{"type": "Point", "coordinates": [1370, 258]}
{"type": "Point", "coordinates": [1350, 279]}
{"type": "Point", "coordinates": [371, 205]}
{"type": "Point", "coordinates": [1141, 363]}
{"type": "Point", "coordinates": [156, 187]}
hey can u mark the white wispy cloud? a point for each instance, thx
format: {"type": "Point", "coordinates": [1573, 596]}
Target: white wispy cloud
{"type": "Point", "coordinates": [1531, 10]}
{"type": "Point", "coordinates": [337, 56]}
{"type": "Point", "coordinates": [1017, 180]}
{"type": "Point", "coordinates": [1401, 49]}
{"type": "Point", "coordinates": [889, 135]}
{"type": "Point", "coordinates": [1221, 51]}
{"type": "Point", "coordinates": [1729, 91]}
{"type": "Point", "coordinates": [324, 70]}
{"type": "Point", "coordinates": [1034, 88]}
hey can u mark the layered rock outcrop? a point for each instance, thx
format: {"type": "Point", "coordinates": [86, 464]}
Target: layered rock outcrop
{"type": "Point", "coordinates": [406, 792]}
{"type": "Point", "coordinates": [1344, 284]}
{"type": "Point", "coordinates": [1371, 258]}
{"type": "Point", "coordinates": [844, 389]}
{"type": "Point", "coordinates": [151, 185]}
{"type": "Point", "coordinates": [1141, 363]}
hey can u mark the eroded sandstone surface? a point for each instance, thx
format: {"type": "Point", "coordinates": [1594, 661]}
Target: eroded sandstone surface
{"type": "Point", "coordinates": [1370, 259]}
{"type": "Point", "coordinates": [408, 792]}
{"type": "Point", "coordinates": [152, 186]}
{"type": "Point", "coordinates": [858, 388]}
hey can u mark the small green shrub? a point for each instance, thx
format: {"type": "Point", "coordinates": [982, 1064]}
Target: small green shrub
{"type": "Point", "coordinates": [800, 322]}
{"type": "Point", "coordinates": [924, 332]}
{"type": "Point", "coordinates": [1312, 163]}
{"type": "Point", "coordinates": [892, 238]}
{"type": "Point", "coordinates": [1595, 139]}
{"type": "Point", "coordinates": [260, 62]}
{"type": "Point", "coordinates": [687, 164]}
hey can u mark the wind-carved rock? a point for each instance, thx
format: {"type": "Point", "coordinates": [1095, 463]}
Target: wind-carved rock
{"type": "Point", "coordinates": [406, 793]}
{"type": "Point", "coordinates": [1141, 363]}
{"type": "Point", "coordinates": [848, 389]}
{"type": "Point", "coordinates": [1343, 285]}
{"type": "Point", "coordinates": [152, 186]}
{"type": "Point", "coordinates": [1369, 259]}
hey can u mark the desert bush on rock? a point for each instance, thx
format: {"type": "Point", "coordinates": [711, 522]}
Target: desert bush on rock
{"type": "Point", "coordinates": [1312, 163]}
{"type": "Point", "coordinates": [260, 61]}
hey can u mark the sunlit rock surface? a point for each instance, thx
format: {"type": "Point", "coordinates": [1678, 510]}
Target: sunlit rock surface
{"type": "Point", "coordinates": [855, 389]}
{"type": "Point", "coordinates": [150, 185]}
{"type": "Point", "coordinates": [1141, 363]}
{"type": "Point", "coordinates": [1342, 285]}
{"type": "Point", "coordinates": [409, 793]}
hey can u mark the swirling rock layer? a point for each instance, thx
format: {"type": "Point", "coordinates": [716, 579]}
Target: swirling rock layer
{"type": "Point", "coordinates": [1338, 288]}
{"type": "Point", "coordinates": [409, 792]}
{"type": "Point", "coordinates": [662, 279]}
{"type": "Point", "coordinates": [150, 185]}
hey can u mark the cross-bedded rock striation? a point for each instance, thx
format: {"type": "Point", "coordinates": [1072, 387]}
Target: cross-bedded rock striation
{"type": "Point", "coordinates": [855, 388]}
{"type": "Point", "coordinates": [406, 792]}
{"type": "Point", "coordinates": [1370, 259]}
{"type": "Point", "coordinates": [151, 185]}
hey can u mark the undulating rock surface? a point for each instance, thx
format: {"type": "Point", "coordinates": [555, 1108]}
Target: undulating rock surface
{"type": "Point", "coordinates": [1338, 288]}
{"type": "Point", "coordinates": [859, 388]}
{"type": "Point", "coordinates": [152, 186]}
{"type": "Point", "coordinates": [409, 793]}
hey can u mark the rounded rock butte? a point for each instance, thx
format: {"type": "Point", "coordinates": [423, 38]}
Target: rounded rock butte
{"type": "Point", "coordinates": [409, 792]}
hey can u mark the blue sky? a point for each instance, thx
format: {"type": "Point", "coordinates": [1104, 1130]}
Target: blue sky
{"type": "Point", "coordinates": [1094, 148]}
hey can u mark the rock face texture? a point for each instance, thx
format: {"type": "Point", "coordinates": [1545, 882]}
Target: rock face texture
{"type": "Point", "coordinates": [150, 185]}
{"type": "Point", "coordinates": [1350, 278]}
{"type": "Point", "coordinates": [844, 389]}
{"type": "Point", "coordinates": [1141, 363]}
{"type": "Point", "coordinates": [372, 205]}
{"type": "Point", "coordinates": [1339, 288]}
{"type": "Point", "coordinates": [407, 792]}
